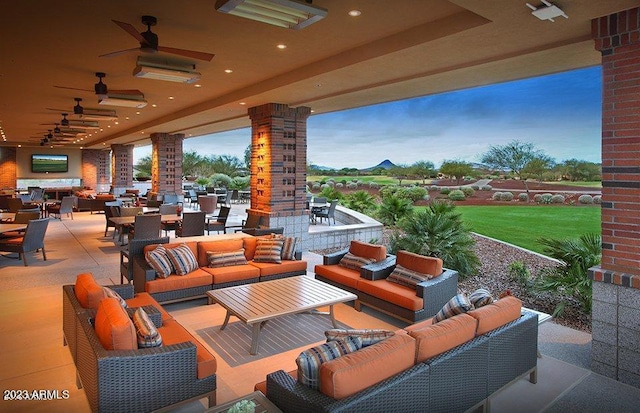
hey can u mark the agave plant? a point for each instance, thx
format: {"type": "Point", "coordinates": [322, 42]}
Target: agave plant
{"type": "Point", "coordinates": [571, 278]}
{"type": "Point", "coordinates": [393, 209]}
{"type": "Point", "coordinates": [360, 201]}
{"type": "Point", "coordinates": [438, 231]}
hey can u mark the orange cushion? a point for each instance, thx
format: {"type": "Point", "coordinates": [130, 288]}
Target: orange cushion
{"type": "Point", "coordinates": [197, 278]}
{"type": "Point", "coordinates": [419, 263]}
{"type": "Point", "coordinates": [339, 274]}
{"type": "Point", "coordinates": [88, 291]}
{"type": "Point", "coordinates": [394, 293]}
{"type": "Point", "coordinates": [216, 246]}
{"type": "Point", "coordinates": [234, 273]}
{"type": "Point", "coordinates": [250, 244]}
{"type": "Point", "coordinates": [173, 333]}
{"type": "Point", "coordinates": [445, 335]}
{"type": "Point", "coordinates": [349, 374]}
{"type": "Point", "coordinates": [262, 386]}
{"type": "Point", "coordinates": [419, 325]}
{"type": "Point", "coordinates": [142, 299]}
{"type": "Point", "coordinates": [269, 268]}
{"type": "Point", "coordinates": [114, 328]}
{"type": "Point", "coordinates": [495, 315]}
{"type": "Point", "coordinates": [363, 249]}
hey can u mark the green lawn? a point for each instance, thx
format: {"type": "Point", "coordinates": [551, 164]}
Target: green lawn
{"type": "Point", "coordinates": [587, 184]}
{"type": "Point", "coordinates": [523, 225]}
{"type": "Point", "coordinates": [379, 179]}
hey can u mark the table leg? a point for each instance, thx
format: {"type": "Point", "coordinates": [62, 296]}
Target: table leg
{"type": "Point", "coordinates": [255, 337]}
{"type": "Point", "coordinates": [333, 317]}
{"type": "Point", "coordinates": [226, 320]}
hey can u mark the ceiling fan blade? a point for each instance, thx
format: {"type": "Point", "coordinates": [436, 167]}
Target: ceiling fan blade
{"type": "Point", "coordinates": [119, 52]}
{"type": "Point", "coordinates": [59, 110]}
{"type": "Point", "coordinates": [131, 30]}
{"type": "Point", "coordinates": [73, 88]}
{"type": "Point", "coordinates": [134, 92]}
{"type": "Point", "coordinates": [187, 53]}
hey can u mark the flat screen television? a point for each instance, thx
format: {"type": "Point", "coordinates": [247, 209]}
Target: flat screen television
{"type": "Point", "coordinates": [43, 163]}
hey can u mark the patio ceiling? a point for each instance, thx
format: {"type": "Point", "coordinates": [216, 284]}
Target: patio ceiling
{"type": "Point", "coordinates": [394, 50]}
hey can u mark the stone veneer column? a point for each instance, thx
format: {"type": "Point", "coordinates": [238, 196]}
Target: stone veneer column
{"type": "Point", "coordinates": [166, 163]}
{"type": "Point", "coordinates": [121, 168]}
{"type": "Point", "coordinates": [616, 288]}
{"type": "Point", "coordinates": [8, 167]}
{"type": "Point", "coordinates": [279, 167]}
{"type": "Point", "coordinates": [96, 170]}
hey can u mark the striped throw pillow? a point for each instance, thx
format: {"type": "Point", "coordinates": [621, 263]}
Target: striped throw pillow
{"type": "Point", "coordinates": [309, 361]}
{"type": "Point", "coordinates": [355, 262]}
{"type": "Point", "coordinates": [368, 336]}
{"type": "Point", "coordinates": [159, 261]}
{"type": "Point", "coordinates": [480, 297]}
{"type": "Point", "coordinates": [459, 304]}
{"type": "Point", "coordinates": [182, 259]}
{"type": "Point", "coordinates": [226, 259]}
{"type": "Point", "coordinates": [268, 250]}
{"type": "Point", "coordinates": [148, 335]}
{"type": "Point", "coordinates": [110, 293]}
{"type": "Point", "coordinates": [407, 277]}
{"type": "Point", "coordinates": [289, 248]}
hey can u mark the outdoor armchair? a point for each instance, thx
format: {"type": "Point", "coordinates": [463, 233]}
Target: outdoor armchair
{"type": "Point", "coordinates": [64, 207]}
{"type": "Point", "coordinates": [32, 240]}
{"type": "Point", "coordinates": [192, 225]}
{"type": "Point", "coordinates": [220, 221]}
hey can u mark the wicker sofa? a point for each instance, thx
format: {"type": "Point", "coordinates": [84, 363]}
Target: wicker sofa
{"type": "Point", "coordinates": [196, 283]}
{"type": "Point", "coordinates": [372, 288]}
{"type": "Point", "coordinates": [95, 204]}
{"type": "Point", "coordinates": [448, 374]}
{"type": "Point", "coordinates": [145, 379]}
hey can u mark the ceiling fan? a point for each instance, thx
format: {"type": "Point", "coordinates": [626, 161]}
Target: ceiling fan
{"type": "Point", "coordinates": [149, 42]}
{"type": "Point", "coordinates": [102, 91]}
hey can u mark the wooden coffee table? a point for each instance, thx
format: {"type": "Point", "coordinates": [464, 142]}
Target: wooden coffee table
{"type": "Point", "coordinates": [255, 304]}
{"type": "Point", "coordinates": [263, 405]}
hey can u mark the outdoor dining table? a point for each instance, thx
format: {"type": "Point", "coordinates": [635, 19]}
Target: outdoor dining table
{"type": "Point", "coordinates": [12, 227]}
{"type": "Point", "coordinates": [316, 207]}
{"type": "Point", "coordinates": [119, 221]}
{"type": "Point", "coordinates": [7, 216]}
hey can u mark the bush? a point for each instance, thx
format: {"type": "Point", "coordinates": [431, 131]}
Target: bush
{"type": "Point", "coordinates": [523, 197]}
{"type": "Point", "coordinates": [519, 273]}
{"type": "Point", "coordinates": [468, 191]}
{"type": "Point", "coordinates": [316, 186]}
{"type": "Point", "coordinates": [374, 185]}
{"type": "Point", "coordinates": [339, 185]}
{"type": "Point", "coordinates": [324, 186]}
{"type": "Point", "coordinates": [597, 199]}
{"type": "Point", "coordinates": [506, 196]}
{"type": "Point", "coordinates": [433, 188]}
{"type": "Point", "coordinates": [537, 198]}
{"type": "Point", "coordinates": [545, 199]}
{"type": "Point", "coordinates": [457, 195]}
{"type": "Point", "coordinates": [394, 209]}
{"type": "Point", "coordinates": [475, 187]}
{"type": "Point", "coordinates": [220, 180]}
{"type": "Point", "coordinates": [585, 199]}
{"type": "Point", "coordinates": [557, 199]}
{"type": "Point", "coordinates": [360, 201]}
{"type": "Point", "coordinates": [486, 188]}
{"type": "Point", "coordinates": [414, 193]}
{"type": "Point", "coordinates": [496, 196]}
{"type": "Point", "coordinates": [240, 182]}
{"type": "Point", "coordinates": [445, 191]}
{"type": "Point", "coordinates": [387, 191]}
{"type": "Point", "coordinates": [352, 185]}
{"type": "Point", "coordinates": [330, 193]}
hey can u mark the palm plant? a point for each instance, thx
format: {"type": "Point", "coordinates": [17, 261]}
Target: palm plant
{"type": "Point", "coordinates": [392, 209]}
{"type": "Point", "coordinates": [360, 201]}
{"type": "Point", "coordinates": [438, 231]}
{"type": "Point", "coordinates": [570, 278]}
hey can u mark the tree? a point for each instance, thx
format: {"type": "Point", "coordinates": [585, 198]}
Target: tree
{"type": "Point", "coordinates": [399, 172]}
{"type": "Point", "coordinates": [577, 170]}
{"type": "Point", "coordinates": [143, 167]}
{"type": "Point", "coordinates": [247, 156]}
{"type": "Point", "coordinates": [423, 170]}
{"type": "Point", "coordinates": [513, 156]}
{"type": "Point", "coordinates": [456, 168]}
{"type": "Point", "coordinates": [537, 167]}
{"type": "Point", "coordinates": [191, 161]}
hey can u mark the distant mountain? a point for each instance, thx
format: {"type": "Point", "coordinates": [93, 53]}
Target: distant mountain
{"type": "Point", "coordinates": [321, 168]}
{"type": "Point", "coordinates": [386, 164]}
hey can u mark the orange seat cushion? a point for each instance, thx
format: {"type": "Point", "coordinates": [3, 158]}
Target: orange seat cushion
{"type": "Point", "coordinates": [197, 278]}
{"type": "Point", "coordinates": [419, 263]}
{"type": "Point", "coordinates": [338, 273]}
{"type": "Point", "coordinates": [444, 335]}
{"type": "Point", "coordinates": [419, 325]}
{"type": "Point", "coordinates": [349, 374]}
{"type": "Point", "coordinates": [269, 268]}
{"type": "Point", "coordinates": [234, 273]}
{"type": "Point", "coordinates": [262, 386]}
{"type": "Point", "coordinates": [114, 328]}
{"type": "Point", "coordinates": [173, 333]}
{"type": "Point", "coordinates": [88, 292]}
{"type": "Point", "coordinates": [397, 294]}
{"type": "Point", "coordinates": [143, 299]}
{"type": "Point", "coordinates": [363, 249]}
{"type": "Point", "coordinates": [495, 315]}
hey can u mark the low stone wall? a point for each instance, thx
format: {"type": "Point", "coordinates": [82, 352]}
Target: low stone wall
{"type": "Point", "coordinates": [353, 225]}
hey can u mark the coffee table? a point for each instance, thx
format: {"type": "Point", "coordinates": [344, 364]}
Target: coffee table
{"type": "Point", "coordinates": [255, 304]}
{"type": "Point", "coordinates": [263, 405]}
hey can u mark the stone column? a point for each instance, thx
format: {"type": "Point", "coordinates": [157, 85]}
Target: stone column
{"type": "Point", "coordinates": [279, 167]}
{"type": "Point", "coordinates": [121, 168]}
{"type": "Point", "coordinates": [8, 167]}
{"type": "Point", "coordinates": [166, 163]}
{"type": "Point", "coordinates": [96, 171]}
{"type": "Point", "coordinates": [616, 288]}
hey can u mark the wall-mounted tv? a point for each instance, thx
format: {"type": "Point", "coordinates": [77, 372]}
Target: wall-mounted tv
{"type": "Point", "coordinates": [49, 163]}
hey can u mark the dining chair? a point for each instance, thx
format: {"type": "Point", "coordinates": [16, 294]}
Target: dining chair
{"type": "Point", "coordinates": [253, 221]}
{"type": "Point", "coordinates": [21, 217]}
{"type": "Point", "coordinates": [134, 248]}
{"type": "Point", "coordinates": [108, 213]}
{"type": "Point", "coordinates": [168, 209]}
{"type": "Point", "coordinates": [328, 213]}
{"type": "Point", "coordinates": [64, 207]}
{"type": "Point", "coordinates": [192, 224]}
{"type": "Point", "coordinates": [220, 221]}
{"type": "Point", "coordinates": [208, 203]}
{"type": "Point", "coordinates": [235, 196]}
{"type": "Point", "coordinates": [170, 199]}
{"type": "Point", "coordinates": [14, 204]}
{"type": "Point", "coordinates": [146, 227]}
{"type": "Point", "coordinates": [32, 240]}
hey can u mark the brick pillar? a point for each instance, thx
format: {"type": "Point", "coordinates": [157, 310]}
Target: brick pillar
{"type": "Point", "coordinates": [279, 167]}
{"type": "Point", "coordinates": [616, 287]}
{"type": "Point", "coordinates": [121, 168]}
{"type": "Point", "coordinates": [166, 163]}
{"type": "Point", "coordinates": [96, 171]}
{"type": "Point", "coordinates": [8, 169]}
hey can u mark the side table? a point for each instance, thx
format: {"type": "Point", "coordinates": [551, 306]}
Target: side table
{"type": "Point", "coordinates": [263, 405]}
{"type": "Point", "coordinates": [542, 318]}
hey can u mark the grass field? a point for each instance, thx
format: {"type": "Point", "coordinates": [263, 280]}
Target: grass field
{"type": "Point", "coordinates": [379, 179]}
{"type": "Point", "coordinates": [588, 184]}
{"type": "Point", "coordinates": [523, 225]}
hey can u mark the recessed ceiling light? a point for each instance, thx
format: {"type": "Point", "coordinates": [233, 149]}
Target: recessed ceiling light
{"type": "Point", "coordinates": [101, 130]}
{"type": "Point", "coordinates": [137, 113]}
{"type": "Point", "coordinates": [104, 144]}
{"type": "Point", "coordinates": [355, 13]}
{"type": "Point", "coordinates": [282, 46]}
{"type": "Point", "coordinates": [117, 123]}
{"type": "Point", "coordinates": [243, 103]}
{"type": "Point", "coordinates": [19, 146]}
{"type": "Point", "coordinates": [126, 118]}
{"type": "Point", "coordinates": [142, 132]}
{"type": "Point", "coordinates": [171, 97]}
{"type": "Point", "coordinates": [228, 71]}
{"type": "Point", "coordinates": [154, 106]}
{"type": "Point", "coordinates": [197, 85]}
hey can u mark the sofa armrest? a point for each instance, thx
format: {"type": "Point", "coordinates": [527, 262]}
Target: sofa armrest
{"type": "Point", "coordinates": [297, 255]}
{"type": "Point", "coordinates": [379, 270]}
{"type": "Point", "coordinates": [154, 314]}
{"type": "Point", "coordinates": [334, 257]}
{"type": "Point", "coordinates": [290, 396]}
{"type": "Point", "coordinates": [142, 272]}
{"type": "Point", "coordinates": [124, 290]}
{"type": "Point", "coordinates": [436, 292]}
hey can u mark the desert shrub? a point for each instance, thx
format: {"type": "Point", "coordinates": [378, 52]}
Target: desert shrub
{"type": "Point", "coordinates": [330, 193]}
{"type": "Point", "coordinates": [240, 182]}
{"type": "Point", "coordinates": [343, 182]}
{"type": "Point", "coordinates": [519, 273]}
{"type": "Point", "coordinates": [339, 185]}
{"type": "Point", "coordinates": [323, 186]}
{"type": "Point", "coordinates": [468, 191]}
{"type": "Point", "coordinates": [414, 193]}
{"type": "Point", "coordinates": [457, 195]}
{"type": "Point", "coordinates": [360, 201]}
{"type": "Point", "coordinates": [545, 199]}
{"type": "Point", "coordinates": [597, 199]}
{"type": "Point", "coordinates": [331, 183]}
{"type": "Point", "coordinates": [506, 196]}
{"type": "Point", "coordinates": [475, 187]}
{"type": "Point", "coordinates": [557, 199]}
{"type": "Point", "coordinates": [316, 186]}
{"type": "Point", "coordinates": [392, 209]}
{"type": "Point", "coordinates": [359, 183]}
{"type": "Point", "coordinates": [352, 185]}
{"type": "Point", "coordinates": [438, 231]}
{"type": "Point", "coordinates": [486, 188]}
{"type": "Point", "coordinates": [585, 199]}
{"type": "Point", "coordinates": [433, 188]}
{"type": "Point", "coordinates": [523, 197]}
{"type": "Point", "coordinates": [536, 198]}
{"type": "Point", "coordinates": [445, 191]}
{"type": "Point", "coordinates": [374, 185]}
{"type": "Point", "coordinates": [387, 191]}
{"type": "Point", "coordinates": [496, 196]}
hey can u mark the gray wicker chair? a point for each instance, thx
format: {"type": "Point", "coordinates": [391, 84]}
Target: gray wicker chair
{"type": "Point", "coordinates": [108, 213]}
{"type": "Point", "coordinates": [253, 221]}
{"type": "Point", "coordinates": [168, 209]}
{"type": "Point", "coordinates": [328, 213]}
{"type": "Point", "coordinates": [192, 225]}
{"type": "Point", "coordinates": [135, 247]}
{"type": "Point", "coordinates": [32, 240]}
{"type": "Point", "coordinates": [220, 221]}
{"type": "Point", "coordinates": [146, 227]}
{"type": "Point", "coordinates": [21, 217]}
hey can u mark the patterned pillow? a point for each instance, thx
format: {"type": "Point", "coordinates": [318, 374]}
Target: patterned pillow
{"type": "Point", "coordinates": [110, 293]}
{"type": "Point", "coordinates": [148, 335]}
{"type": "Point", "coordinates": [457, 305]}
{"type": "Point", "coordinates": [289, 248]}
{"type": "Point", "coordinates": [226, 259]}
{"type": "Point", "coordinates": [268, 250]}
{"type": "Point", "coordinates": [159, 261]}
{"type": "Point", "coordinates": [368, 336]}
{"type": "Point", "coordinates": [309, 361]}
{"type": "Point", "coordinates": [182, 259]}
{"type": "Point", "coordinates": [355, 262]}
{"type": "Point", "coordinates": [407, 277]}
{"type": "Point", "coordinates": [480, 297]}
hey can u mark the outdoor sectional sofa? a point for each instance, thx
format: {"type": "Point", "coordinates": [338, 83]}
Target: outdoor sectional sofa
{"type": "Point", "coordinates": [128, 380]}
{"type": "Point", "coordinates": [373, 289]}
{"type": "Point", "coordinates": [196, 283]}
{"type": "Point", "coordinates": [95, 204]}
{"type": "Point", "coordinates": [450, 366]}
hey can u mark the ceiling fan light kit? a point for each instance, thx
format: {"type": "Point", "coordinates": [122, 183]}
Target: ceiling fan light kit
{"type": "Point", "coordinates": [289, 14]}
{"type": "Point", "coordinates": [121, 102]}
{"type": "Point", "coordinates": [167, 71]}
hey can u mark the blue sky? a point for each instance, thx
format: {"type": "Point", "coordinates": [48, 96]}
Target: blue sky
{"type": "Point", "coordinates": [560, 114]}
